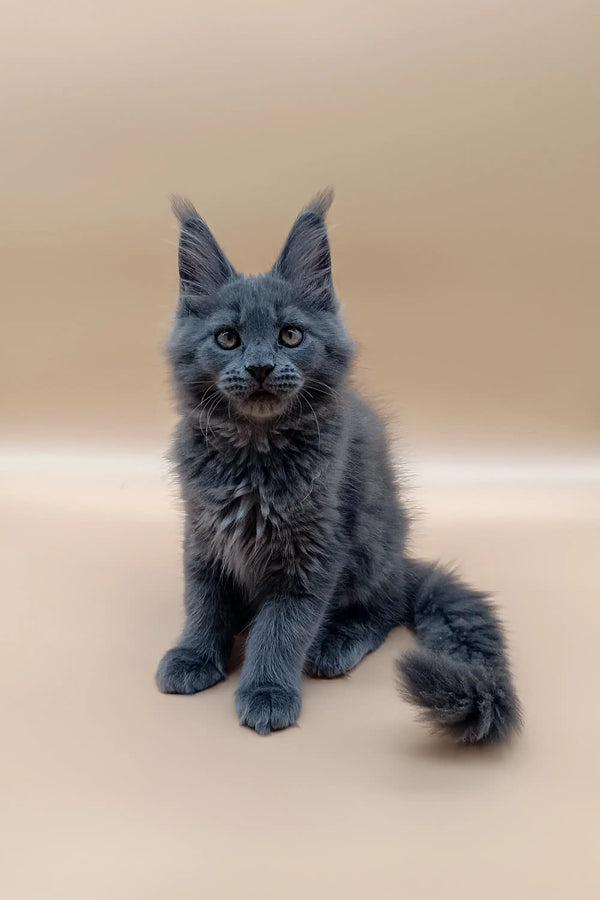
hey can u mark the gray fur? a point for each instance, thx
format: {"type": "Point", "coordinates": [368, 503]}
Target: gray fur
{"type": "Point", "coordinates": [295, 533]}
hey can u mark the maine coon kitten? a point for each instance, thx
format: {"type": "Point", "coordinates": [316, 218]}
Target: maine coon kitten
{"type": "Point", "coordinates": [294, 530]}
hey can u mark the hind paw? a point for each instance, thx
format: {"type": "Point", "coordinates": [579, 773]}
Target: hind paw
{"type": "Point", "coordinates": [335, 654]}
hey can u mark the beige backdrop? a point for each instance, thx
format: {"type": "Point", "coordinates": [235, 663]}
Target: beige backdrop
{"type": "Point", "coordinates": [463, 139]}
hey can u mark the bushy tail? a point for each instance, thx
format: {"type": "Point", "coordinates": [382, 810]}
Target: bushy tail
{"type": "Point", "coordinates": [459, 676]}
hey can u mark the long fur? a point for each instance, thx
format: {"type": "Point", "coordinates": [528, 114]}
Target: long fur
{"type": "Point", "coordinates": [459, 677]}
{"type": "Point", "coordinates": [295, 529]}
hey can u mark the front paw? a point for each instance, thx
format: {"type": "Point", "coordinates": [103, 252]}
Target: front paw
{"type": "Point", "coordinates": [267, 708]}
{"type": "Point", "coordinates": [182, 671]}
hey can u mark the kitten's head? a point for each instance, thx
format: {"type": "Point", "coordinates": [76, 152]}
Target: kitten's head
{"type": "Point", "coordinates": [257, 343]}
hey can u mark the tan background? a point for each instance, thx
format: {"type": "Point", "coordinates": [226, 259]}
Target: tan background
{"type": "Point", "coordinates": [463, 140]}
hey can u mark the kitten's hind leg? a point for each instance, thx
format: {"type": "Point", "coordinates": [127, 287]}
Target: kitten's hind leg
{"type": "Point", "coordinates": [345, 637]}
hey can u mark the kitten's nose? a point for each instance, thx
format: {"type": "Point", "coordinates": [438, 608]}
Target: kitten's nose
{"type": "Point", "coordinates": [259, 373]}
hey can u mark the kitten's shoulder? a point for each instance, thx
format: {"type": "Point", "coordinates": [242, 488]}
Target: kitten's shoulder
{"type": "Point", "coordinates": [189, 449]}
{"type": "Point", "coordinates": [362, 414]}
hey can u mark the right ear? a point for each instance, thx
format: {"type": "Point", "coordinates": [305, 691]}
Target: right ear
{"type": "Point", "coordinates": [203, 267]}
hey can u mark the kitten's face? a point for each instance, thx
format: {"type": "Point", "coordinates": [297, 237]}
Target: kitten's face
{"type": "Point", "coordinates": [258, 345]}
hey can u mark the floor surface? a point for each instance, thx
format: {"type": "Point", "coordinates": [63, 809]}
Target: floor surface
{"type": "Point", "coordinates": [112, 790]}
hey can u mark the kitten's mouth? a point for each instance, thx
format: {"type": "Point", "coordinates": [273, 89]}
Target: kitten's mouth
{"type": "Point", "coordinates": [262, 394]}
{"type": "Point", "coordinates": [263, 404]}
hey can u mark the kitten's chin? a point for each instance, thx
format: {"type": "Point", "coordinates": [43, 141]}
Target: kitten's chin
{"type": "Point", "coordinates": [262, 405]}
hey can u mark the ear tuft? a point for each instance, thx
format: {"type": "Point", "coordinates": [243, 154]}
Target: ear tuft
{"type": "Point", "coordinates": [321, 202]}
{"type": "Point", "coordinates": [183, 208]}
{"type": "Point", "coordinates": [203, 267]}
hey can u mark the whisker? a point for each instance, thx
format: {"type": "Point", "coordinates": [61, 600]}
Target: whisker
{"type": "Point", "coordinates": [315, 417]}
{"type": "Point", "coordinates": [210, 412]}
{"type": "Point", "coordinates": [324, 387]}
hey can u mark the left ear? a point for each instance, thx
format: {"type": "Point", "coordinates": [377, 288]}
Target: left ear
{"type": "Point", "coordinates": [306, 258]}
{"type": "Point", "coordinates": [203, 267]}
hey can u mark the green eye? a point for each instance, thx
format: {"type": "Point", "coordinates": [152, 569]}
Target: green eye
{"type": "Point", "coordinates": [228, 339]}
{"type": "Point", "coordinates": [290, 336]}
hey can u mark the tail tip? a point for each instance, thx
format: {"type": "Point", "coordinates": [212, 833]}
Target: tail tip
{"type": "Point", "coordinates": [469, 702]}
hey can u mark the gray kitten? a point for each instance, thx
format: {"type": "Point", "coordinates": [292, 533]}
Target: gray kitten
{"type": "Point", "coordinates": [294, 529]}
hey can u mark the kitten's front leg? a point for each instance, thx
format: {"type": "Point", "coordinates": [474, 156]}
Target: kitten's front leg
{"type": "Point", "coordinates": [198, 660]}
{"type": "Point", "coordinates": [268, 697]}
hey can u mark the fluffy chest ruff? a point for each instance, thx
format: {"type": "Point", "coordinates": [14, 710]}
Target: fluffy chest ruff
{"type": "Point", "coordinates": [240, 533]}
{"type": "Point", "coordinates": [257, 516]}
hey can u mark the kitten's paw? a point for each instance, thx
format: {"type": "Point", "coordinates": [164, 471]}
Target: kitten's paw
{"type": "Point", "coordinates": [334, 654]}
{"type": "Point", "coordinates": [182, 671]}
{"type": "Point", "coordinates": [267, 708]}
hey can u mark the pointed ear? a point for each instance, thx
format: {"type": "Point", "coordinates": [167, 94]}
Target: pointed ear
{"type": "Point", "coordinates": [306, 258]}
{"type": "Point", "coordinates": [203, 267]}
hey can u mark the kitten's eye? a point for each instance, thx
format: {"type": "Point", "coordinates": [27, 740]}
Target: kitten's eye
{"type": "Point", "coordinates": [228, 339]}
{"type": "Point", "coordinates": [290, 336]}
